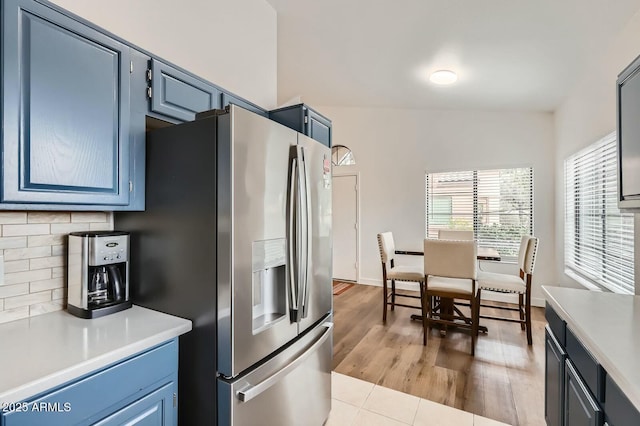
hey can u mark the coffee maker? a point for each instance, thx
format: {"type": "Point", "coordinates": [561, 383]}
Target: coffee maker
{"type": "Point", "coordinates": [98, 273]}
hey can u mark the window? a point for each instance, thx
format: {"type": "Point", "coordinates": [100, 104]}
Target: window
{"type": "Point", "coordinates": [496, 204]}
{"type": "Point", "coordinates": [598, 238]}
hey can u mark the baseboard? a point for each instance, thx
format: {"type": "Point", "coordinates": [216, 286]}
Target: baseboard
{"type": "Point", "coordinates": [494, 297]}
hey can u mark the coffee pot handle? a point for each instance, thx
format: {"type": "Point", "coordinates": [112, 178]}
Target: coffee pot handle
{"type": "Point", "coordinates": [116, 282]}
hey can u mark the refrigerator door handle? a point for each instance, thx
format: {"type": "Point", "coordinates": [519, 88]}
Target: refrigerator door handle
{"type": "Point", "coordinates": [252, 392]}
{"type": "Point", "coordinates": [292, 246]}
{"type": "Point", "coordinates": [307, 233]}
{"type": "Point", "coordinates": [300, 226]}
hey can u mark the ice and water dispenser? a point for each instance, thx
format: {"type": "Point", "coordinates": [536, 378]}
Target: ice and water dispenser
{"type": "Point", "coordinates": [269, 282]}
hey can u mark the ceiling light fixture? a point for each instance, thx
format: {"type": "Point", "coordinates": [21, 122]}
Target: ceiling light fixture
{"type": "Point", "coordinates": [443, 77]}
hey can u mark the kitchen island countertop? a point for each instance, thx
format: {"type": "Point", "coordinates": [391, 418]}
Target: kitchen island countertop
{"type": "Point", "coordinates": [42, 352]}
{"type": "Point", "coordinates": [608, 324]}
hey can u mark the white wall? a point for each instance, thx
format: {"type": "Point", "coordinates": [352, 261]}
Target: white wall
{"type": "Point", "coordinates": [230, 43]}
{"type": "Point", "coordinates": [394, 147]}
{"type": "Point", "coordinates": [588, 114]}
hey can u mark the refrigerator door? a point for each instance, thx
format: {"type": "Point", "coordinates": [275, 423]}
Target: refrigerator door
{"type": "Point", "coordinates": [254, 285]}
{"type": "Point", "coordinates": [316, 291]}
{"type": "Point", "coordinates": [291, 389]}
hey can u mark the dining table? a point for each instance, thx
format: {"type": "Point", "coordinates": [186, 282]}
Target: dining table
{"type": "Point", "coordinates": [484, 253]}
{"type": "Point", "coordinates": [447, 305]}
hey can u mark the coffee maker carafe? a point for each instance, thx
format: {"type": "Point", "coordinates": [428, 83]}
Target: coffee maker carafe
{"type": "Point", "coordinates": [98, 273]}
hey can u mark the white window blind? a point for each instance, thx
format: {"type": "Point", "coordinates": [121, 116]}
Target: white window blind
{"type": "Point", "coordinates": [598, 238]}
{"type": "Point", "coordinates": [496, 204]}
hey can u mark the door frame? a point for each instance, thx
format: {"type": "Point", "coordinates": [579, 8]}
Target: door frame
{"type": "Point", "coordinates": [357, 176]}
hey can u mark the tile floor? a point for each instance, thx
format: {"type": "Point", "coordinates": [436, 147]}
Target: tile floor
{"type": "Point", "coordinates": [359, 403]}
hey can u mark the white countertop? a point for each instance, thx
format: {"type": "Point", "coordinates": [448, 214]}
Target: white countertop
{"type": "Point", "coordinates": [48, 350]}
{"type": "Point", "coordinates": [608, 324]}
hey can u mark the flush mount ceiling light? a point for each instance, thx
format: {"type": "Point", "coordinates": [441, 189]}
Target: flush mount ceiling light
{"type": "Point", "coordinates": [443, 77]}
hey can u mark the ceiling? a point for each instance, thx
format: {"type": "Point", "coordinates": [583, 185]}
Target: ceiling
{"type": "Point", "coordinates": [509, 54]}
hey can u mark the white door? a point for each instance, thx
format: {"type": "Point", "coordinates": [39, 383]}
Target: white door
{"type": "Point", "coordinates": [345, 227]}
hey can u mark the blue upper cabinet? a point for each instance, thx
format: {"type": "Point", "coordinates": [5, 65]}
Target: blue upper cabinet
{"type": "Point", "coordinates": [177, 94]}
{"type": "Point", "coordinates": [304, 120]}
{"type": "Point", "coordinates": [228, 98]}
{"type": "Point", "coordinates": [65, 110]}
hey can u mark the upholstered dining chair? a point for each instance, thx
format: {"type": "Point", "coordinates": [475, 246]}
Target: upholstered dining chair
{"type": "Point", "coordinates": [450, 273]}
{"type": "Point", "coordinates": [392, 272]}
{"type": "Point", "coordinates": [514, 284]}
{"type": "Point", "coordinates": [454, 234]}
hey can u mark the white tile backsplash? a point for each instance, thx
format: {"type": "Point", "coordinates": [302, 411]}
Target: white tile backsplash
{"type": "Point", "coordinates": [48, 262]}
{"type": "Point", "coordinates": [27, 299]}
{"type": "Point", "coordinates": [59, 250]}
{"type": "Point", "coordinates": [14, 314]}
{"type": "Point", "coordinates": [34, 246]}
{"type": "Point", "coordinates": [46, 240]}
{"type": "Point", "coordinates": [14, 290]}
{"type": "Point", "coordinates": [59, 293]}
{"type": "Point", "coordinates": [12, 242]}
{"type": "Point", "coordinates": [16, 265]}
{"type": "Point", "coordinates": [65, 228]}
{"type": "Point", "coordinates": [31, 229]}
{"type": "Point", "coordinates": [48, 217]}
{"type": "Point", "coordinates": [45, 307]}
{"type": "Point", "coordinates": [89, 217]}
{"type": "Point", "coordinates": [36, 286]}
{"type": "Point", "coordinates": [27, 253]}
{"type": "Point", "coordinates": [58, 272]}
{"type": "Point", "coordinates": [27, 276]}
{"type": "Point", "coordinates": [13, 217]}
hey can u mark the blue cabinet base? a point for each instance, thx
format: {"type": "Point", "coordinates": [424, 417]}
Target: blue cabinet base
{"type": "Point", "coordinates": [141, 390]}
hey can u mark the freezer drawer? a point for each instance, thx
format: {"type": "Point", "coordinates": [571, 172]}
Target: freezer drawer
{"type": "Point", "coordinates": [293, 388]}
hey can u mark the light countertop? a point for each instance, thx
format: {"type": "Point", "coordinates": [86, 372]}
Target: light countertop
{"type": "Point", "coordinates": [608, 324]}
{"type": "Point", "coordinates": [42, 352]}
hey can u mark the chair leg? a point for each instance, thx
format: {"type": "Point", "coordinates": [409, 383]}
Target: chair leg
{"type": "Point", "coordinates": [474, 321]}
{"type": "Point", "coordinates": [477, 310]}
{"type": "Point", "coordinates": [428, 314]}
{"type": "Point", "coordinates": [521, 309]}
{"type": "Point", "coordinates": [528, 317]}
{"type": "Point", "coordinates": [393, 294]}
{"type": "Point", "coordinates": [385, 295]}
{"type": "Point", "coordinates": [423, 301]}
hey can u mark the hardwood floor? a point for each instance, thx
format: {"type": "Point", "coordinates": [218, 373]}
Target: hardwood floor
{"type": "Point", "coordinates": [504, 381]}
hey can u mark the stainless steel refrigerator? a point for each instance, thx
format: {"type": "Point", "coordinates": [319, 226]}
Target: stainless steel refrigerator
{"type": "Point", "coordinates": [236, 236]}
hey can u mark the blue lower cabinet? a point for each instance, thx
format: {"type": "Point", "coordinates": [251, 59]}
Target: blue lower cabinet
{"type": "Point", "coordinates": [157, 408]}
{"type": "Point", "coordinates": [553, 380]}
{"type": "Point", "coordinates": [141, 390]}
{"type": "Point", "coordinates": [580, 407]}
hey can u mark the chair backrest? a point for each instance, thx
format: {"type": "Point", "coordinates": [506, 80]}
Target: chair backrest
{"type": "Point", "coordinates": [530, 257]}
{"type": "Point", "coordinates": [387, 247]}
{"type": "Point", "coordinates": [450, 258]}
{"type": "Point", "coordinates": [454, 234]}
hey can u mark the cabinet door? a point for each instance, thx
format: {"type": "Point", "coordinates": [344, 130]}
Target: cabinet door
{"type": "Point", "coordinates": [318, 127]}
{"type": "Point", "coordinates": [580, 408]}
{"type": "Point", "coordinates": [228, 98]}
{"type": "Point", "coordinates": [553, 380]}
{"type": "Point", "coordinates": [179, 95]}
{"type": "Point", "coordinates": [65, 110]}
{"type": "Point", "coordinates": [155, 409]}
